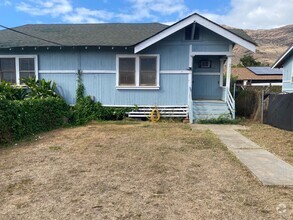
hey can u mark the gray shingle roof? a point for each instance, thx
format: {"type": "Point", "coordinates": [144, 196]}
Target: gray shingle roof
{"type": "Point", "coordinates": [114, 34]}
{"type": "Point", "coordinates": [241, 33]}
{"type": "Point", "coordinates": [110, 34]}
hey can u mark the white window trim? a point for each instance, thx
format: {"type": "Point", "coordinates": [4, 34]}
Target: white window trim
{"type": "Point", "coordinates": [137, 86]}
{"type": "Point", "coordinates": [16, 57]}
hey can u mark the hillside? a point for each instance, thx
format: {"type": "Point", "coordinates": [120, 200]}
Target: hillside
{"type": "Point", "coordinates": [271, 44]}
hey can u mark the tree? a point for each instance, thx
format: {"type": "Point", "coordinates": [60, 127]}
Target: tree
{"type": "Point", "coordinates": [248, 60]}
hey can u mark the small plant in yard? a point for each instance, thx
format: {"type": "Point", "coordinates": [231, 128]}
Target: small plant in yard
{"type": "Point", "coordinates": [86, 109]}
{"type": "Point", "coordinates": [222, 119]}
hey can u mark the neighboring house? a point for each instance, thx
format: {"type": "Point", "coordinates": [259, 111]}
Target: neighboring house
{"type": "Point", "coordinates": [177, 67]}
{"type": "Point", "coordinates": [286, 62]}
{"type": "Point", "coordinates": [257, 76]}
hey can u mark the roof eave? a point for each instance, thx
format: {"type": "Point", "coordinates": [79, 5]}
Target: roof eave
{"type": "Point", "coordinates": [200, 20]}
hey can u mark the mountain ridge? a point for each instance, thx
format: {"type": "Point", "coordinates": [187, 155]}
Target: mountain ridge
{"type": "Point", "coordinates": [272, 43]}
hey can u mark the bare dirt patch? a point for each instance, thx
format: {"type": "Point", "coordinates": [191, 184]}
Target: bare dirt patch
{"type": "Point", "coordinates": [277, 141]}
{"type": "Point", "coordinates": [132, 171]}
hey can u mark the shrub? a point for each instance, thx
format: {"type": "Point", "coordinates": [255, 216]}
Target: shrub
{"type": "Point", "coordinates": [30, 116]}
{"type": "Point", "coordinates": [10, 92]}
{"type": "Point", "coordinates": [40, 88]}
{"type": "Point", "coordinates": [86, 109]}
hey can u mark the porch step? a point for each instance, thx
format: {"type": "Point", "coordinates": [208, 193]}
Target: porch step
{"type": "Point", "coordinates": [209, 109]}
{"type": "Point", "coordinates": [165, 111]}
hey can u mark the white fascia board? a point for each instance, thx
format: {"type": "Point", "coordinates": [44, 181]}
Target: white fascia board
{"type": "Point", "coordinates": [281, 58]}
{"type": "Point", "coordinates": [225, 33]}
{"type": "Point", "coordinates": [202, 21]}
{"type": "Point", "coordinates": [163, 34]}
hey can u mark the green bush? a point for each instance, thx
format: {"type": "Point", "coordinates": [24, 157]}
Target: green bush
{"type": "Point", "coordinates": [30, 116]}
{"type": "Point", "coordinates": [86, 109]}
{"type": "Point", "coordinates": [10, 92]}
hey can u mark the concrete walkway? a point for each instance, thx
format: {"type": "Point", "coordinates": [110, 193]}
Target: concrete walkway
{"type": "Point", "coordinates": [268, 168]}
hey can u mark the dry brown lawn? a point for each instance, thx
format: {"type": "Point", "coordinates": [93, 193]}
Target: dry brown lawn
{"type": "Point", "coordinates": [132, 171]}
{"type": "Point", "coordinates": [277, 141]}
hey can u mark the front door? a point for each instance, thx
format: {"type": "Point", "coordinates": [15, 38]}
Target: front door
{"type": "Point", "coordinates": [206, 78]}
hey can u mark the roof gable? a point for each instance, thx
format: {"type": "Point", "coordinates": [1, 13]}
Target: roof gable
{"type": "Point", "coordinates": [248, 44]}
{"type": "Point", "coordinates": [283, 57]}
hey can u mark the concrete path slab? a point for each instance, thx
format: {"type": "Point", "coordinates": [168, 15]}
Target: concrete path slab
{"type": "Point", "coordinates": [268, 168]}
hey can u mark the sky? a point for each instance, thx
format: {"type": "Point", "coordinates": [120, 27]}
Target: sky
{"type": "Point", "coordinates": [246, 14]}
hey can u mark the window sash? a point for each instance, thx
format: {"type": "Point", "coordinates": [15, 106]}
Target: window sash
{"type": "Point", "coordinates": [126, 71]}
{"type": "Point", "coordinates": [8, 70]}
{"type": "Point", "coordinates": [147, 76]}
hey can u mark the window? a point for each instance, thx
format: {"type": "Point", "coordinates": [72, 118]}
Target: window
{"type": "Point", "coordinates": [14, 68]}
{"type": "Point", "coordinates": [136, 71]}
{"type": "Point", "coordinates": [192, 32]}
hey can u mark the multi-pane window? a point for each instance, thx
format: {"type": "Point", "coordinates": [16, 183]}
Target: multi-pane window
{"type": "Point", "coordinates": [15, 68]}
{"type": "Point", "coordinates": [138, 71]}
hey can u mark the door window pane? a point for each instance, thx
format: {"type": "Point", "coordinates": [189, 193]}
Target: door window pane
{"type": "Point", "coordinates": [7, 70]}
{"type": "Point", "coordinates": [148, 71]}
{"type": "Point", "coordinates": [126, 71]}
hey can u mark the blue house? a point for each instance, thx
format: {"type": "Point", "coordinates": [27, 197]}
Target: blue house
{"type": "Point", "coordinates": [286, 62]}
{"type": "Point", "coordinates": [178, 69]}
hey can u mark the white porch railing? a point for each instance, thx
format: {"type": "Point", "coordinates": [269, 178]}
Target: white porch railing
{"type": "Point", "coordinates": [230, 102]}
{"type": "Point", "coordinates": [190, 105]}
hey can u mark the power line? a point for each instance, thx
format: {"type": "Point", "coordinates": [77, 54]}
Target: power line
{"type": "Point", "coordinates": [29, 35]}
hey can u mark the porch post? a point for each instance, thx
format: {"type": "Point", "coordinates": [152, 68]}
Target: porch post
{"type": "Point", "coordinates": [228, 76]}
{"type": "Point", "coordinates": [221, 71]}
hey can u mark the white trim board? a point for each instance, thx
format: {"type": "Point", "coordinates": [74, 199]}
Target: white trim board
{"type": "Point", "coordinates": [175, 72]}
{"type": "Point", "coordinates": [75, 71]}
{"type": "Point", "coordinates": [207, 73]}
{"type": "Point", "coordinates": [187, 21]}
{"type": "Point", "coordinates": [149, 106]}
{"type": "Point", "coordinates": [211, 53]}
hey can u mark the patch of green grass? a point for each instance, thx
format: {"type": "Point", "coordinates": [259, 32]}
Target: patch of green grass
{"type": "Point", "coordinates": [290, 154]}
{"type": "Point", "coordinates": [222, 119]}
{"type": "Point", "coordinates": [55, 148]}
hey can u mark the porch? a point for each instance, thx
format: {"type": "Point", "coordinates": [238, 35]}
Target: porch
{"type": "Point", "coordinates": [209, 87]}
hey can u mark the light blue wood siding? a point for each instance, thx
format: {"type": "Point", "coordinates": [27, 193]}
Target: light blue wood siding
{"type": "Point", "coordinates": [66, 85]}
{"type": "Point", "coordinates": [173, 91]}
{"type": "Point", "coordinates": [287, 75]}
{"type": "Point", "coordinates": [206, 87]}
